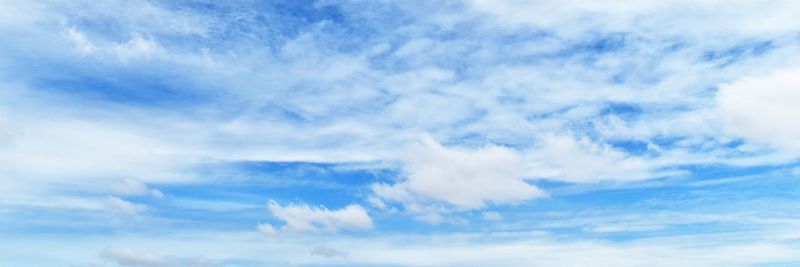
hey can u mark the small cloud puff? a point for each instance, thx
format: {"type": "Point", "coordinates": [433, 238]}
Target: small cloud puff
{"type": "Point", "coordinates": [464, 179]}
{"type": "Point", "coordinates": [300, 218]}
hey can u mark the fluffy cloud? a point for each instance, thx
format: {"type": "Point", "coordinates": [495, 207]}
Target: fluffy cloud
{"type": "Point", "coordinates": [763, 109]}
{"type": "Point", "coordinates": [465, 179]}
{"type": "Point", "coordinates": [304, 218]}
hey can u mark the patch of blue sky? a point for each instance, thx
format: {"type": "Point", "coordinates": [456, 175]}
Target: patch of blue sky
{"type": "Point", "coordinates": [90, 79]}
{"type": "Point", "coordinates": [265, 24]}
{"type": "Point", "coordinates": [132, 86]}
{"type": "Point", "coordinates": [623, 110]}
{"type": "Point", "coordinates": [727, 56]}
{"type": "Point", "coordinates": [252, 183]}
{"type": "Point", "coordinates": [599, 43]}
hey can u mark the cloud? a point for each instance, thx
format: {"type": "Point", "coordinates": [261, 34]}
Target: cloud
{"type": "Point", "coordinates": [130, 257]}
{"type": "Point", "coordinates": [574, 15]}
{"type": "Point", "coordinates": [763, 109]}
{"type": "Point", "coordinates": [465, 179]}
{"type": "Point", "coordinates": [537, 80]}
{"type": "Point", "coordinates": [136, 258]}
{"type": "Point", "coordinates": [492, 216]}
{"type": "Point", "coordinates": [574, 160]}
{"type": "Point", "coordinates": [84, 45]}
{"type": "Point", "coordinates": [266, 229]}
{"type": "Point", "coordinates": [328, 252]}
{"type": "Point", "coordinates": [131, 187]}
{"type": "Point", "coordinates": [303, 218]}
{"type": "Point", "coordinates": [124, 206]}
{"type": "Point", "coordinates": [138, 47]}
{"type": "Point", "coordinates": [64, 146]}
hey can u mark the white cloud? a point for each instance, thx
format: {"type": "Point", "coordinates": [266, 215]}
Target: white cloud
{"type": "Point", "coordinates": [465, 179]}
{"type": "Point", "coordinates": [84, 45]}
{"type": "Point", "coordinates": [137, 258]}
{"type": "Point", "coordinates": [131, 187]}
{"type": "Point", "coordinates": [581, 160]}
{"type": "Point", "coordinates": [376, 202]}
{"type": "Point", "coordinates": [266, 229]}
{"type": "Point", "coordinates": [617, 228]}
{"type": "Point", "coordinates": [326, 251]}
{"type": "Point", "coordinates": [476, 249]}
{"type": "Point", "coordinates": [138, 47]}
{"type": "Point", "coordinates": [535, 252]}
{"type": "Point", "coordinates": [304, 218]}
{"type": "Point", "coordinates": [572, 16]}
{"type": "Point", "coordinates": [775, 243]}
{"type": "Point", "coordinates": [430, 218]}
{"type": "Point", "coordinates": [515, 96]}
{"type": "Point", "coordinates": [492, 216]}
{"type": "Point", "coordinates": [124, 206]}
{"type": "Point", "coordinates": [130, 257]}
{"type": "Point", "coordinates": [764, 109]}
{"type": "Point", "coordinates": [59, 147]}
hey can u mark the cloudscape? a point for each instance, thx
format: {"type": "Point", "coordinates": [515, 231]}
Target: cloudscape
{"type": "Point", "coordinates": [399, 133]}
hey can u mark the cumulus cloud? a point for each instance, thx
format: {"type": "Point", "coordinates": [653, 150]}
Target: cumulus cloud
{"type": "Point", "coordinates": [304, 218]}
{"type": "Point", "coordinates": [763, 109]}
{"type": "Point", "coordinates": [465, 179]}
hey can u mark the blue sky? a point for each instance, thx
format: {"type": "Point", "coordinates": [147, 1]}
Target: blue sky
{"type": "Point", "coordinates": [399, 133]}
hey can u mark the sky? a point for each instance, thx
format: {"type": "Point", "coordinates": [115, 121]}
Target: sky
{"type": "Point", "coordinates": [399, 133]}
